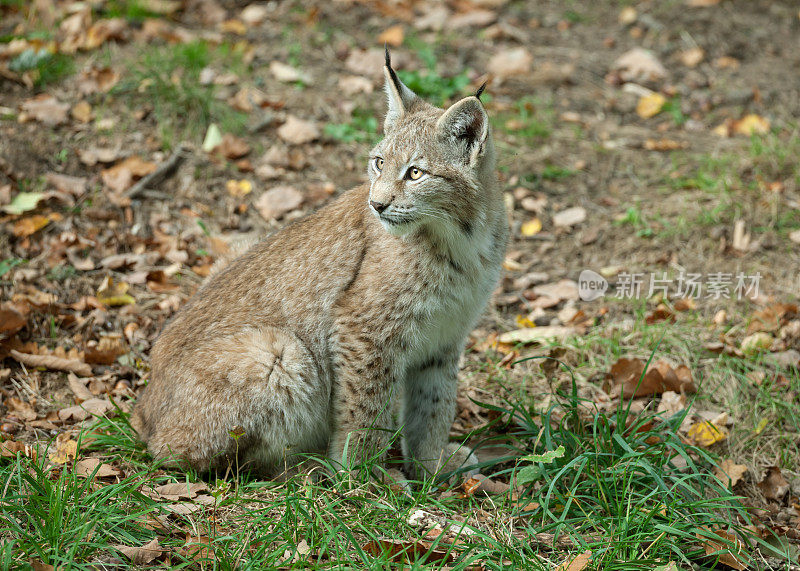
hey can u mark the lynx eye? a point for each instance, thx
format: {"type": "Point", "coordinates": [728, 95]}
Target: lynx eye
{"type": "Point", "coordinates": [379, 163]}
{"type": "Point", "coordinates": [414, 173]}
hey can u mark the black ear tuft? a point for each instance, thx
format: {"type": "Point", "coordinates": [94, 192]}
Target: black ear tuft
{"type": "Point", "coordinates": [388, 57]}
{"type": "Point", "coordinates": [480, 89]}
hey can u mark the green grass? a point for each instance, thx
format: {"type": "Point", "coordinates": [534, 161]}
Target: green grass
{"type": "Point", "coordinates": [362, 128]}
{"type": "Point", "coordinates": [45, 67]}
{"type": "Point", "coordinates": [132, 10]}
{"type": "Point", "coordinates": [167, 77]}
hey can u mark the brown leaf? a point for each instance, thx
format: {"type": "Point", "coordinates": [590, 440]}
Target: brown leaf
{"type": "Point", "coordinates": [639, 65]}
{"type": "Point", "coordinates": [66, 449]}
{"type": "Point", "coordinates": [692, 57]}
{"type": "Point", "coordinates": [197, 548]}
{"type": "Point", "coordinates": [106, 351]}
{"type": "Point", "coordinates": [298, 131]}
{"type": "Point", "coordinates": [21, 409]}
{"type": "Point", "coordinates": [728, 557]}
{"type": "Point", "coordinates": [405, 550]}
{"type": "Point", "coordinates": [730, 472]}
{"type": "Point", "coordinates": [53, 362]}
{"type": "Point", "coordinates": [286, 73]}
{"type": "Point", "coordinates": [82, 112]}
{"type": "Point", "coordinates": [11, 448]}
{"type": "Point", "coordinates": [658, 378]}
{"type": "Point", "coordinates": [78, 388]}
{"type": "Point", "coordinates": [121, 176]}
{"type": "Point", "coordinates": [232, 147]}
{"type": "Point", "coordinates": [569, 217]}
{"type": "Point", "coordinates": [577, 563]}
{"type": "Point", "coordinates": [143, 555]}
{"type": "Point", "coordinates": [114, 293]}
{"type": "Point", "coordinates": [94, 155]}
{"type": "Point", "coordinates": [13, 317]}
{"type": "Point", "coordinates": [104, 30]}
{"type": "Point", "coordinates": [90, 407]}
{"type": "Point", "coordinates": [774, 486]}
{"type": "Point", "coordinates": [393, 36]}
{"type": "Point", "coordinates": [30, 225]}
{"type": "Point", "coordinates": [663, 145]}
{"type": "Point", "coordinates": [510, 63]}
{"type": "Point", "coordinates": [74, 185]}
{"type": "Point", "coordinates": [96, 80]}
{"type": "Point", "coordinates": [46, 109]}
{"type": "Point", "coordinates": [181, 490]}
{"type": "Point", "coordinates": [85, 467]}
{"type": "Point", "coordinates": [277, 201]}
{"type": "Point", "coordinates": [352, 84]}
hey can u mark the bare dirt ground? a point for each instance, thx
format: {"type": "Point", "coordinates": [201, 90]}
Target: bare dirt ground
{"type": "Point", "coordinates": [704, 182]}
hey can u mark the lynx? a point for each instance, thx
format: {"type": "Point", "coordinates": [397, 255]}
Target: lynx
{"type": "Point", "coordinates": [315, 338]}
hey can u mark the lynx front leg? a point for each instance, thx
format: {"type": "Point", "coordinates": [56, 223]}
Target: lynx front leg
{"type": "Point", "coordinates": [361, 412]}
{"type": "Point", "coordinates": [428, 411]}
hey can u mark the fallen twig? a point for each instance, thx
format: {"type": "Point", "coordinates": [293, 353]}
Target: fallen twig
{"type": "Point", "coordinates": [53, 362]}
{"type": "Point", "coordinates": [163, 171]}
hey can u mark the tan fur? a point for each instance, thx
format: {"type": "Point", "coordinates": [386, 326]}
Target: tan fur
{"type": "Point", "coordinates": [312, 338]}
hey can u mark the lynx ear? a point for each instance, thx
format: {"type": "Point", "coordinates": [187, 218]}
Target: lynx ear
{"type": "Point", "coordinates": [399, 97]}
{"type": "Point", "coordinates": [466, 125]}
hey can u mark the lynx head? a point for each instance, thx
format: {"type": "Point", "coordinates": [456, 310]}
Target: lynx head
{"type": "Point", "coordinates": [434, 168]}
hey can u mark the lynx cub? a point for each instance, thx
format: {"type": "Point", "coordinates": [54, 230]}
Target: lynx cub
{"type": "Point", "coordinates": [313, 338]}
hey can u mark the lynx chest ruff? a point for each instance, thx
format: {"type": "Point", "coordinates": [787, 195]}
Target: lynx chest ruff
{"type": "Point", "coordinates": [346, 320]}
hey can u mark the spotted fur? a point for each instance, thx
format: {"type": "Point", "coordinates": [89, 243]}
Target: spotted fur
{"type": "Point", "coordinates": [321, 336]}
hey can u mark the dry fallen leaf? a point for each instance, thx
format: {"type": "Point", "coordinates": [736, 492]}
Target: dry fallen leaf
{"type": "Point", "coordinates": [78, 388]}
{"type": "Point", "coordinates": [405, 550]}
{"type": "Point", "coordinates": [706, 433]}
{"type": "Point", "coordinates": [106, 350]}
{"type": "Point", "coordinates": [758, 342]}
{"type": "Point", "coordinates": [750, 125]}
{"type": "Point", "coordinates": [692, 57]}
{"type": "Point", "coordinates": [180, 490]}
{"type": "Point", "coordinates": [509, 63]}
{"type": "Point", "coordinates": [537, 334]}
{"type": "Point", "coordinates": [30, 225]}
{"type": "Point", "coordinates": [732, 558]}
{"type": "Point", "coordinates": [143, 555]}
{"type": "Point", "coordinates": [114, 293]}
{"type": "Point", "coordinates": [298, 131]}
{"type": "Point", "coordinates": [729, 472]}
{"type": "Point", "coordinates": [393, 36]}
{"type": "Point", "coordinates": [577, 563]}
{"type": "Point", "coordinates": [13, 317]}
{"type": "Point", "coordinates": [277, 201]}
{"type": "Point", "coordinates": [66, 449]}
{"type": "Point", "coordinates": [91, 407]}
{"type": "Point", "coordinates": [774, 486]}
{"type": "Point", "coordinates": [650, 105]}
{"type": "Point", "coordinates": [639, 65]}
{"type": "Point", "coordinates": [46, 109]}
{"type": "Point", "coordinates": [121, 176]}
{"type": "Point", "coordinates": [232, 147]}
{"type": "Point", "coordinates": [53, 362]}
{"type": "Point", "coordinates": [239, 188]}
{"type": "Point", "coordinates": [286, 73]}
{"type": "Point", "coordinates": [531, 227]}
{"type": "Point", "coordinates": [660, 377]}
{"type": "Point", "coordinates": [352, 84]}
{"type": "Point", "coordinates": [664, 145]}
{"type": "Point", "coordinates": [570, 216]}
{"type": "Point", "coordinates": [86, 467]}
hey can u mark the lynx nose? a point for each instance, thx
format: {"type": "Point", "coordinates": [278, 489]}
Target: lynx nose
{"type": "Point", "coordinates": [378, 206]}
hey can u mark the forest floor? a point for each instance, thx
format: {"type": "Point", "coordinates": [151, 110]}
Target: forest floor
{"type": "Point", "coordinates": [649, 154]}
